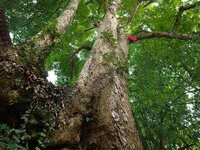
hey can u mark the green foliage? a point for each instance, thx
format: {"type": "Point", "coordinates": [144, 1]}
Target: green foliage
{"type": "Point", "coordinates": [60, 58]}
{"type": "Point", "coordinates": [164, 93]}
{"type": "Point", "coordinates": [31, 16]}
{"type": "Point", "coordinates": [159, 88]}
{"type": "Point", "coordinates": [19, 138]}
{"type": "Point", "coordinates": [15, 138]}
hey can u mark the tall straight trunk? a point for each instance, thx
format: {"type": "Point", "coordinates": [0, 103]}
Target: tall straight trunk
{"type": "Point", "coordinates": [110, 124]}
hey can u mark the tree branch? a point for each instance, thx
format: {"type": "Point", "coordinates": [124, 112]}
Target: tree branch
{"type": "Point", "coordinates": [65, 18]}
{"type": "Point", "coordinates": [189, 70]}
{"type": "Point", "coordinates": [88, 2]}
{"type": "Point", "coordinates": [90, 28]}
{"type": "Point", "coordinates": [72, 57]}
{"type": "Point", "coordinates": [187, 146]}
{"type": "Point", "coordinates": [80, 48]}
{"type": "Point", "coordinates": [167, 35]}
{"type": "Point", "coordinates": [149, 3]}
{"type": "Point", "coordinates": [133, 12]}
{"type": "Point", "coordinates": [192, 72]}
{"type": "Point", "coordinates": [63, 21]}
{"type": "Point", "coordinates": [180, 12]}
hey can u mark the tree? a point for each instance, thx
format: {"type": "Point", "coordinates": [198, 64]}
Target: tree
{"type": "Point", "coordinates": [91, 110]}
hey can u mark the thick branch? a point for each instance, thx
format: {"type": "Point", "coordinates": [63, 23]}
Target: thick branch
{"type": "Point", "coordinates": [65, 18]}
{"type": "Point", "coordinates": [63, 21]}
{"type": "Point", "coordinates": [133, 12]}
{"type": "Point", "coordinates": [180, 12]}
{"type": "Point", "coordinates": [167, 35]}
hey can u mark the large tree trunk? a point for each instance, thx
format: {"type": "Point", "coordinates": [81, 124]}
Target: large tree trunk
{"type": "Point", "coordinates": [95, 113]}
{"type": "Point", "coordinates": [102, 80]}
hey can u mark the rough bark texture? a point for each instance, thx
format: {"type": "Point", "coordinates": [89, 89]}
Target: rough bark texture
{"type": "Point", "coordinates": [95, 113]}
{"type": "Point", "coordinates": [111, 125]}
{"type": "Point", "coordinates": [168, 35]}
{"type": "Point", "coordinates": [65, 18]}
{"type": "Point", "coordinates": [63, 21]}
{"type": "Point", "coordinates": [23, 82]}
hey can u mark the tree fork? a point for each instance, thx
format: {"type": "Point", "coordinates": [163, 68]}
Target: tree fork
{"type": "Point", "coordinates": [96, 113]}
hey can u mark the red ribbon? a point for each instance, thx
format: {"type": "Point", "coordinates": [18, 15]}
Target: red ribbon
{"type": "Point", "coordinates": [132, 38]}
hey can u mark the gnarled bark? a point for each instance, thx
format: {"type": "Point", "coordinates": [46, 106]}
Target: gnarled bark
{"type": "Point", "coordinates": [111, 124]}
{"type": "Point", "coordinates": [94, 114]}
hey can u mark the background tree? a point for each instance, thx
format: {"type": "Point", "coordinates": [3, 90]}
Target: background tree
{"type": "Point", "coordinates": [89, 108]}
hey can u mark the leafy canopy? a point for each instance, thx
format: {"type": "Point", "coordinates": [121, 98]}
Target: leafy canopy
{"type": "Point", "coordinates": [163, 74]}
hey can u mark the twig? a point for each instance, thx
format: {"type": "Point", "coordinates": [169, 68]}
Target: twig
{"type": "Point", "coordinates": [72, 57]}
{"type": "Point", "coordinates": [90, 28]}
{"type": "Point", "coordinates": [149, 3]}
{"type": "Point", "coordinates": [134, 10]}
{"type": "Point", "coordinates": [189, 70]}
{"type": "Point", "coordinates": [187, 146]}
{"type": "Point", "coordinates": [80, 48]}
{"type": "Point", "coordinates": [88, 2]}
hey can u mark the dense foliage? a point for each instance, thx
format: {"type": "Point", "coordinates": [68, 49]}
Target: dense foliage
{"type": "Point", "coordinates": [163, 74]}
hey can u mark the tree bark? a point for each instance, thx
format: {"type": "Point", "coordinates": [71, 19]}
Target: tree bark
{"type": "Point", "coordinates": [63, 21]}
{"type": "Point", "coordinates": [95, 113]}
{"type": "Point", "coordinates": [111, 124]}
